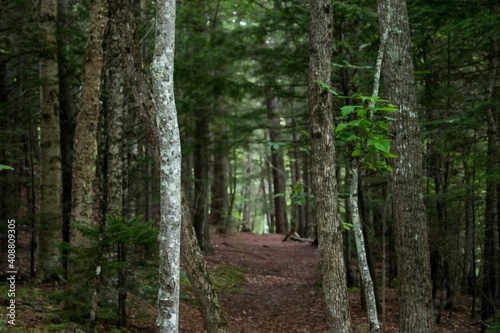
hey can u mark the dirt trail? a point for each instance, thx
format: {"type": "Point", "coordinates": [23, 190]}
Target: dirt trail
{"type": "Point", "coordinates": [283, 293]}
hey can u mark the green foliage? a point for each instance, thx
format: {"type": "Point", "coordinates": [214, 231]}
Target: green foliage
{"type": "Point", "coordinates": [140, 239]}
{"type": "Point", "coordinates": [325, 87]}
{"type": "Point", "coordinates": [368, 133]}
{"type": "Point", "coordinates": [347, 226]}
{"type": "Point", "coordinates": [6, 328]}
{"type": "Point", "coordinates": [298, 196]}
{"type": "Point", "coordinates": [5, 167]}
{"type": "Point", "coordinates": [494, 324]}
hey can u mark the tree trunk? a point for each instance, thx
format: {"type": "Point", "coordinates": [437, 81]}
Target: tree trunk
{"type": "Point", "coordinates": [278, 167]}
{"type": "Point", "coordinates": [201, 166]}
{"type": "Point", "coordinates": [85, 145]}
{"type": "Point", "coordinates": [50, 228]}
{"type": "Point", "coordinates": [411, 234]}
{"type": "Point", "coordinates": [137, 79]}
{"type": "Point", "coordinates": [490, 293]}
{"type": "Point", "coordinates": [323, 169]}
{"type": "Point", "coordinates": [116, 154]}
{"type": "Point", "coordinates": [170, 168]}
{"type": "Point", "coordinates": [67, 124]}
{"type": "Point", "coordinates": [360, 246]}
{"type": "Point", "coordinates": [218, 209]}
{"type": "Point", "coordinates": [197, 273]}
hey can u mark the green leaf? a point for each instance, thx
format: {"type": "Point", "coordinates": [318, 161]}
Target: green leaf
{"type": "Point", "coordinates": [386, 108]}
{"type": "Point", "coordinates": [364, 123]}
{"type": "Point", "coordinates": [348, 109]}
{"type": "Point", "coordinates": [5, 167]}
{"type": "Point", "coordinates": [362, 112]}
{"type": "Point", "coordinates": [388, 154]}
{"type": "Point", "coordinates": [347, 226]}
{"type": "Point", "coordinates": [305, 149]}
{"type": "Point", "coordinates": [326, 87]}
{"type": "Point", "coordinates": [347, 136]}
{"type": "Point", "coordinates": [356, 152]}
{"type": "Point", "coordinates": [382, 125]}
{"type": "Point", "coordinates": [277, 195]}
{"type": "Point", "coordinates": [342, 126]}
{"type": "Point", "coordinates": [383, 145]}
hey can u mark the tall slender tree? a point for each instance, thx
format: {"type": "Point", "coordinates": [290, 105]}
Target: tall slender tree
{"type": "Point", "coordinates": [170, 168]}
{"type": "Point", "coordinates": [277, 165]}
{"type": "Point", "coordinates": [410, 223]}
{"type": "Point", "coordinates": [85, 145]}
{"type": "Point", "coordinates": [117, 155]}
{"type": "Point", "coordinates": [137, 79]}
{"type": "Point", "coordinates": [50, 227]}
{"type": "Point", "coordinates": [323, 168]}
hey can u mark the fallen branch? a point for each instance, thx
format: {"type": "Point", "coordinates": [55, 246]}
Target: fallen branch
{"type": "Point", "coordinates": [294, 236]}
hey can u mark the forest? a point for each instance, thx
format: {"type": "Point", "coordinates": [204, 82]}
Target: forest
{"type": "Point", "coordinates": [250, 166]}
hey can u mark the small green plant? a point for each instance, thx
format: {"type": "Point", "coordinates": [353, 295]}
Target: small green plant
{"type": "Point", "coordinates": [140, 240]}
{"type": "Point", "coordinates": [5, 167]}
{"type": "Point", "coordinates": [368, 133]}
{"type": "Point", "coordinates": [5, 328]}
{"type": "Point", "coordinates": [494, 324]}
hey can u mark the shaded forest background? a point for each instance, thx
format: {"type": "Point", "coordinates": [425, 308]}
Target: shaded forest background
{"type": "Point", "coordinates": [241, 94]}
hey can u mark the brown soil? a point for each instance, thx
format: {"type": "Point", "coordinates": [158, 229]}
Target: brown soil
{"type": "Point", "coordinates": [283, 293]}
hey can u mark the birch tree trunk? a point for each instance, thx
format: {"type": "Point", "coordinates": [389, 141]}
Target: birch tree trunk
{"type": "Point", "coordinates": [324, 179]}
{"type": "Point", "coordinates": [138, 81]}
{"type": "Point", "coordinates": [410, 223]}
{"type": "Point", "coordinates": [50, 226]}
{"type": "Point", "coordinates": [360, 246]}
{"type": "Point", "coordinates": [170, 168]}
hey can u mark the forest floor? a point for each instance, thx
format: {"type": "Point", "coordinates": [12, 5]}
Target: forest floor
{"type": "Point", "coordinates": [283, 291]}
{"type": "Point", "coordinates": [277, 289]}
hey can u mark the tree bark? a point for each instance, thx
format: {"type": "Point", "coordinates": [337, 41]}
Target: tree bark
{"type": "Point", "coordinates": [50, 227]}
{"type": "Point", "coordinates": [115, 155]}
{"type": "Point", "coordinates": [490, 277]}
{"type": "Point", "coordinates": [170, 168]}
{"type": "Point", "coordinates": [201, 167]}
{"type": "Point", "coordinates": [411, 234]}
{"type": "Point", "coordinates": [323, 169]}
{"type": "Point", "coordinates": [360, 246]}
{"type": "Point", "coordinates": [67, 123]}
{"type": "Point", "coordinates": [197, 273]}
{"type": "Point", "coordinates": [85, 145]}
{"type": "Point", "coordinates": [218, 208]}
{"type": "Point", "coordinates": [278, 167]}
{"type": "Point", "coordinates": [137, 80]}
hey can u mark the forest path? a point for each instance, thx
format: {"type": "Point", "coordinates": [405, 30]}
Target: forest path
{"type": "Point", "coordinates": [283, 293]}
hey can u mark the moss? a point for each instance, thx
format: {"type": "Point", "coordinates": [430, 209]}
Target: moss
{"type": "Point", "coordinates": [227, 278]}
